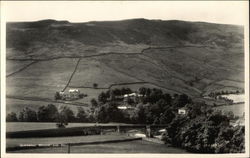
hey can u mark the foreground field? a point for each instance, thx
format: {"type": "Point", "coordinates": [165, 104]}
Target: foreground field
{"type": "Point", "coordinates": [11, 142]}
{"type": "Point", "coordinates": [24, 126]}
{"type": "Point", "coordinates": [139, 146]}
{"type": "Point", "coordinates": [237, 109]}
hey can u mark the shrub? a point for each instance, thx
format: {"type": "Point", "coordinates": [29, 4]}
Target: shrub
{"type": "Point", "coordinates": [95, 85]}
{"type": "Point", "coordinates": [27, 115]}
{"type": "Point", "coordinates": [47, 113]}
{"type": "Point", "coordinates": [11, 117]}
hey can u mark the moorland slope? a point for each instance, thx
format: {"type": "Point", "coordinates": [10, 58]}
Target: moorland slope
{"type": "Point", "coordinates": [177, 56]}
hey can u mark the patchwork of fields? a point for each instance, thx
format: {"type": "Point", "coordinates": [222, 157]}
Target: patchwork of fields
{"type": "Point", "coordinates": [138, 146]}
{"type": "Point", "coordinates": [43, 78]}
{"type": "Point", "coordinates": [48, 56]}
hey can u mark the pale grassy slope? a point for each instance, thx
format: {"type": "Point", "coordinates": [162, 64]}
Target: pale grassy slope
{"type": "Point", "coordinates": [93, 70]}
{"type": "Point", "coordinates": [15, 66]}
{"type": "Point", "coordinates": [42, 79]}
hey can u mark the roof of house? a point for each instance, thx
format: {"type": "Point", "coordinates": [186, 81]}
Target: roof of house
{"type": "Point", "coordinates": [73, 90]}
{"type": "Point", "coordinates": [182, 108]}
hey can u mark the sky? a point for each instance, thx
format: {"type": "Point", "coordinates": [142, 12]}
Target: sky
{"type": "Point", "coordinates": [226, 12]}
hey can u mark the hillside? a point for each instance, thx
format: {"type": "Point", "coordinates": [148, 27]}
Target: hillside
{"type": "Point", "coordinates": [177, 56]}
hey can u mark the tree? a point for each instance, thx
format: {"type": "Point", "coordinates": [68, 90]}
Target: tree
{"type": "Point", "coordinates": [82, 115]}
{"type": "Point", "coordinates": [102, 98]}
{"type": "Point", "coordinates": [102, 115]}
{"type": "Point", "coordinates": [27, 115]}
{"type": "Point", "coordinates": [142, 91]}
{"type": "Point", "coordinates": [140, 114]}
{"type": "Point", "coordinates": [57, 96]}
{"type": "Point", "coordinates": [167, 97]}
{"type": "Point", "coordinates": [95, 85]}
{"type": "Point", "coordinates": [224, 140]}
{"type": "Point", "coordinates": [148, 92]}
{"type": "Point", "coordinates": [167, 117]}
{"type": "Point", "coordinates": [114, 114]}
{"type": "Point", "coordinates": [47, 113]}
{"type": "Point", "coordinates": [65, 115]}
{"type": "Point", "coordinates": [194, 110]}
{"type": "Point", "coordinates": [112, 95]}
{"type": "Point", "coordinates": [11, 117]}
{"type": "Point", "coordinates": [94, 103]}
{"type": "Point", "coordinates": [117, 92]}
{"type": "Point", "coordinates": [155, 95]}
{"type": "Point", "coordinates": [130, 101]}
{"type": "Point", "coordinates": [181, 100]}
{"type": "Point", "coordinates": [217, 119]}
{"type": "Point", "coordinates": [126, 91]}
{"type": "Point", "coordinates": [230, 115]}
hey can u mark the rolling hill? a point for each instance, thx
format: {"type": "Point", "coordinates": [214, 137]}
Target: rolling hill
{"type": "Point", "coordinates": [194, 58]}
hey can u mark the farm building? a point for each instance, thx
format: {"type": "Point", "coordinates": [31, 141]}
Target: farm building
{"type": "Point", "coordinates": [239, 122]}
{"type": "Point", "coordinates": [71, 95]}
{"type": "Point", "coordinates": [182, 111]}
{"type": "Point", "coordinates": [125, 107]}
{"type": "Point", "coordinates": [132, 96]}
{"type": "Point", "coordinates": [74, 93]}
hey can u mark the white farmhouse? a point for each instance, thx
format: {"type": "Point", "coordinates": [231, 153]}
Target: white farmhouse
{"type": "Point", "coordinates": [182, 111]}
{"type": "Point", "coordinates": [74, 93]}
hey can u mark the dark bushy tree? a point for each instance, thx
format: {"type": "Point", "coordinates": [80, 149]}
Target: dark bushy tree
{"type": "Point", "coordinates": [139, 115]}
{"type": "Point", "coordinates": [65, 115]}
{"type": "Point", "coordinates": [166, 117]}
{"type": "Point", "coordinates": [117, 92]}
{"type": "Point", "coordinates": [181, 100]}
{"type": "Point", "coordinates": [102, 115]}
{"type": "Point", "coordinates": [11, 117]}
{"type": "Point", "coordinates": [126, 91]}
{"type": "Point", "coordinates": [102, 98]}
{"type": "Point", "coordinates": [27, 115]}
{"type": "Point", "coordinates": [47, 113]}
{"type": "Point", "coordinates": [142, 91]}
{"type": "Point", "coordinates": [109, 113]}
{"type": "Point", "coordinates": [231, 140]}
{"type": "Point", "coordinates": [82, 115]}
{"type": "Point", "coordinates": [57, 96]}
{"type": "Point", "coordinates": [94, 103]}
{"type": "Point", "coordinates": [95, 85]}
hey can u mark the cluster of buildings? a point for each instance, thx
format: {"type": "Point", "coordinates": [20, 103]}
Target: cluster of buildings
{"type": "Point", "coordinates": [72, 94]}
{"type": "Point", "coordinates": [132, 96]}
{"type": "Point", "coordinates": [127, 98]}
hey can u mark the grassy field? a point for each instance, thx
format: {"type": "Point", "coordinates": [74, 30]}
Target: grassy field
{"type": "Point", "coordinates": [138, 146]}
{"type": "Point", "coordinates": [23, 126]}
{"type": "Point", "coordinates": [16, 105]}
{"type": "Point", "coordinates": [11, 142]}
{"type": "Point", "coordinates": [237, 98]}
{"type": "Point", "coordinates": [91, 93]}
{"type": "Point", "coordinates": [13, 66]}
{"type": "Point", "coordinates": [93, 70]}
{"type": "Point", "coordinates": [42, 79]}
{"type": "Point", "coordinates": [237, 109]}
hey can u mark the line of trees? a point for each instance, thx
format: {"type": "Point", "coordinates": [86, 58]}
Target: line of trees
{"type": "Point", "coordinates": [153, 107]}
{"type": "Point", "coordinates": [218, 93]}
{"type": "Point", "coordinates": [49, 113]}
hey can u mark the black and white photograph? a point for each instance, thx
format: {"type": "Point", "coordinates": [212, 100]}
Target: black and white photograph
{"type": "Point", "coordinates": [125, 77]}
